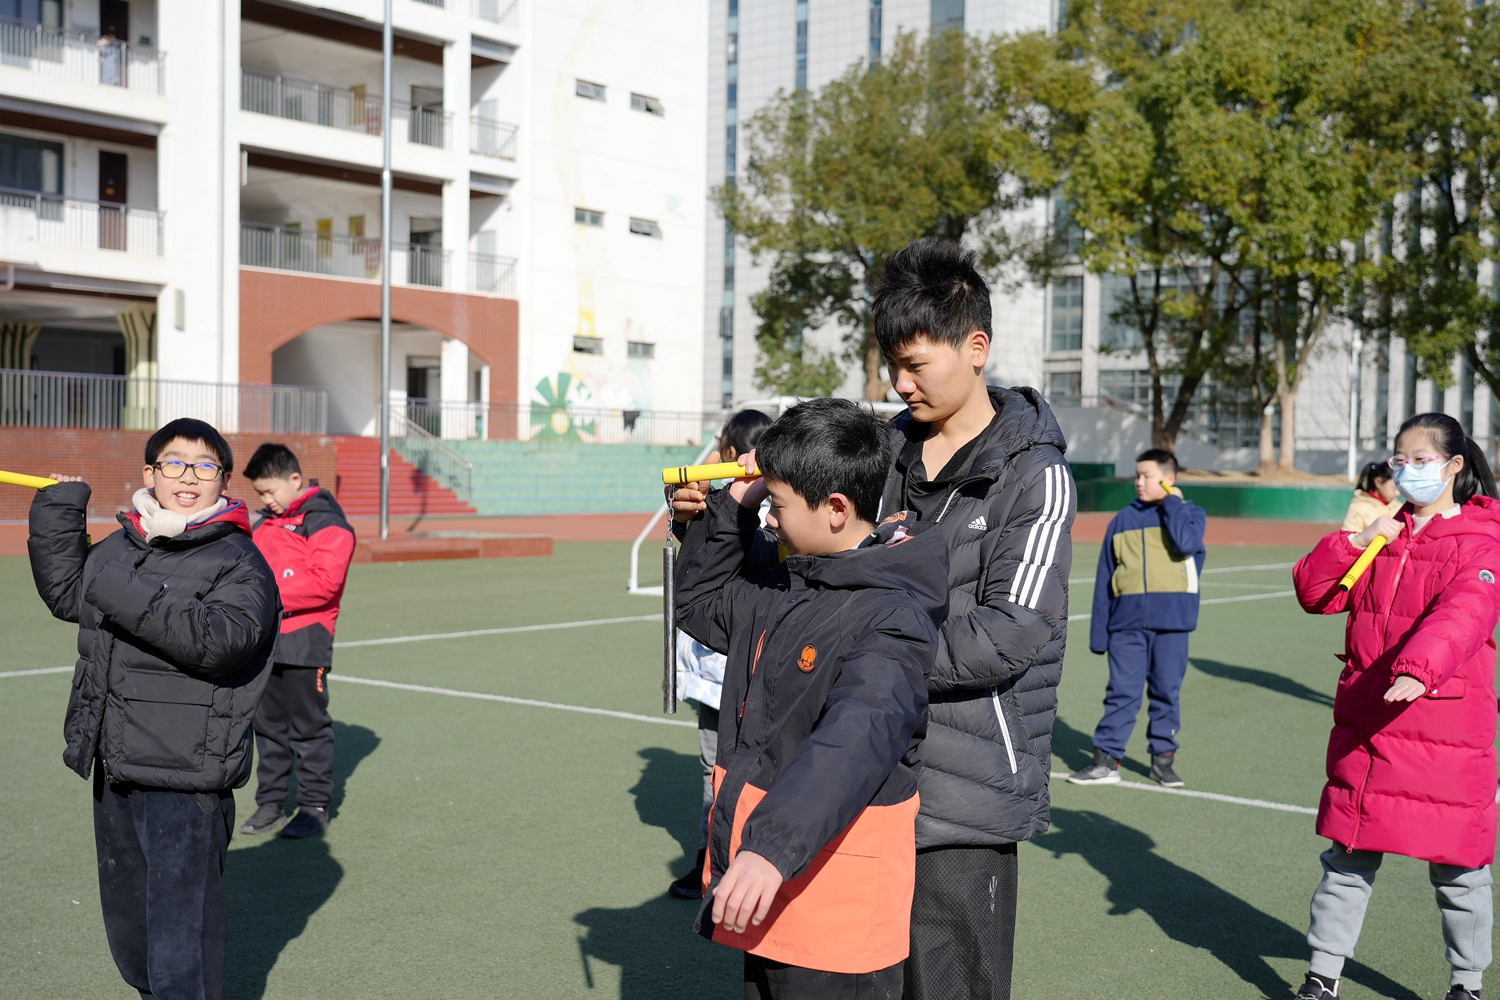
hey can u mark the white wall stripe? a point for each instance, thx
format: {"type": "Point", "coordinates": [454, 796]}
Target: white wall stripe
{"type": "Point", "coordinates": [1141, 786]}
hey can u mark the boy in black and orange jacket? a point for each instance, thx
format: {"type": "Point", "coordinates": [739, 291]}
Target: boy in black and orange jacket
{"type": "Point", "coordinates": [304, 536]}
{"type": "Point", "coordinates": [812, 849]}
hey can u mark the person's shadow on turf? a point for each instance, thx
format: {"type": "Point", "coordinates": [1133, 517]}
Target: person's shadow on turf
{"type": "Point", "coordinates": [1188, 907]}
{"type": "Point", "coordinates": [1265, 679]}
{"type": "Point", "coordinates": [275, 887]}
{"type": "Point", "coordinates": [653, 944]}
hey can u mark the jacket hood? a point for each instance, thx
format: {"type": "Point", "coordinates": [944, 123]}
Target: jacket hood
{"type": "Point", "coordinates": [899, 555]}
{"type": "Point", "coordinates": [1025, 421]}
{"type": "Point", "coordinates": [313, 499]}
{"type": "Point", "coordinates": [234, 517]}
{"type": "Point", "coordinates": [1480, 515]}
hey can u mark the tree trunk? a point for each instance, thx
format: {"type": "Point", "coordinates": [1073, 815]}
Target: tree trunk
{"type": "Point", "coordinates": [1287, 400]}
{"type": "Point", "coordinates": [875, 383]}
{"type": "Point", "coordinates": [1267, 442]}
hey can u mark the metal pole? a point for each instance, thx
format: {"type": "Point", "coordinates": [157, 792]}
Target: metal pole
{"type": "Point", "coordinates": [1356, 347]}
{"type": "Point", "coordinates": [669, 619]}
{"type": "Point", "coordinates": [385, 275]}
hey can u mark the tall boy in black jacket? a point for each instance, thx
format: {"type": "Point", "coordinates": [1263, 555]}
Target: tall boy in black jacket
{"type": "Point", "coordinates": [811, 844]}
{"type": "Point", "coordinates": [177, 614]}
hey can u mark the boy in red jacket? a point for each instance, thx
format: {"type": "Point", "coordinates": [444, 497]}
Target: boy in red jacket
{"type": "Point", "coordinates": [304, 536]}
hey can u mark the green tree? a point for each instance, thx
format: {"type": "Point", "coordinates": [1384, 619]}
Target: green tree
{"type": "Point", "coordinates": [838, 181]}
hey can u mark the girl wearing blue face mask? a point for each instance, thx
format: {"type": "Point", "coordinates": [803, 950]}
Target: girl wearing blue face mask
{"type": "Point", "coordinates": [1411, 759]}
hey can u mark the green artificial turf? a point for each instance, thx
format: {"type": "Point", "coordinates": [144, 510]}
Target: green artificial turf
{"type": "Point", "coordinates": [486, 849]}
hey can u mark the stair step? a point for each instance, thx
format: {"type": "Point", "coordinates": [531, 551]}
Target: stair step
{"type": "Point", "coordinates": [412, 492]}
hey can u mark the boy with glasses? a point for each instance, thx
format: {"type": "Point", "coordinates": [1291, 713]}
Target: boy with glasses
{"type": "Point", "coordinates": [177, 616]}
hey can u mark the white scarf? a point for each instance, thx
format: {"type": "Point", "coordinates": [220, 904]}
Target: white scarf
{"type": "Point", "coordinates": [158, 522]}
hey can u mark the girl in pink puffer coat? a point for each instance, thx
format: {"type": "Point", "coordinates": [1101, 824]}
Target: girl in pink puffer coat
{"type": "Point", "coordinates": [1411, 760]}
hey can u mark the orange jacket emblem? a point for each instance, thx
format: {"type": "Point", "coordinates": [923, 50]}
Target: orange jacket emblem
{"type": "Point", "coordinates": [808, 659]}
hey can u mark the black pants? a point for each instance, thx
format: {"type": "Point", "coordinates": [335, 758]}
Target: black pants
{"type": "Point", "coordinates": [963, 924]}
{"type": "Point", "coordinates": [293, 719]}
{"type": "Point", "coordinates": [768, 980]}
{"type": "Point", "coordinates": [161, 861]}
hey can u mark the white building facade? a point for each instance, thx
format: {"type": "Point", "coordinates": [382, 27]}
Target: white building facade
{"type": "Point", "coordinates": [189, 190]}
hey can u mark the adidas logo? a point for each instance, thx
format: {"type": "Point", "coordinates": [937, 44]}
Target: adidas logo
{"type": "Point", "coordinates": [978, 524]}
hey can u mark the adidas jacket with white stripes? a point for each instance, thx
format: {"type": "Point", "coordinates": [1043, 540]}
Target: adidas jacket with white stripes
{"type": "Point", "coordinates": [1006, 511]}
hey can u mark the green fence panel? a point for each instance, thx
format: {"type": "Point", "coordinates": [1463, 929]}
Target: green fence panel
{"type": "Point", "coordinates": [562, 477]}
{"type": "Point", "coordinates": [1319, 504]}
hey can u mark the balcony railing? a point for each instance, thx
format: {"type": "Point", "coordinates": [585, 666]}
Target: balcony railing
{"type": "Point", "coordinates": [425, 126]}
{"type": "Point", "coordinates": [492, 138]}
{"type": "Point", "coordinates": [458, 420]}
{"type": "Point", "coordinates": [308, 101]}
{"type": "Point", "coordinates": [491, 275]}
{"type": "Point", "coordinates": [502, 12]}
{"type": "Point", "coordinates": [73, 56]}
{"type": "Point", "coordinates": [28, 218]}
{"type": "Point", "coordinates": [420, 445]}
{"type": "Point", "coordinates": [118, 402]}
{"type": "Point", "coordinates": [283, 248]}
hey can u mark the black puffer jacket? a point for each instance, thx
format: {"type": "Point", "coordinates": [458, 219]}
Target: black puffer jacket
{"type": "Point", "coordinates": [1007, 518]}
{"type": "Point", "coordinates": [174, 641]}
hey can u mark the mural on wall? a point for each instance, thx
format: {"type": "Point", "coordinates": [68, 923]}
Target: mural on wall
{"type": "Point", "coordinates": [550, 419]}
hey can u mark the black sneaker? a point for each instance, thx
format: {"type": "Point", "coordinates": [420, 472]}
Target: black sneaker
{"type": "Point", "coordinates": [690, 886]}
{"type": "Point", "coordinates": [310, 821]}
{"type": "Point", "coordinates": [1461, 993]}
{"type": "Point", "coordinates": [1316, 988]}
{"type": "Point", "coordinates": [1105, 770]}
{"type": "Point", "coordinates": [1161, 770]}
{"type": "Point", "coordinates": [267, 819]}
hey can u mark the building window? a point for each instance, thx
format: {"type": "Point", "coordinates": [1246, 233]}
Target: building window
{"type": "Point", "coordinates": [1065, 388]}
{"type": "Point", "coordinates": [801, 44]}
{"type": "Point", "coordinates": [876, 25]}
{"type": "Point", "coordinates": [588, 217]}
{"type": "Point", "coordinates": [947, 14]}
{"type": "Point", "coordinates": [1067, 314]}
{"type": "Point", "coordinates": [640, 349]}
{"type": "Point", "coordinates": [588, 345]}
{"type": "Point", "coordinates": [645, 227]}
{"type": "Point", "coordinates": [650, 105]}
{"type": "Point", "coordinates": [591, 91]}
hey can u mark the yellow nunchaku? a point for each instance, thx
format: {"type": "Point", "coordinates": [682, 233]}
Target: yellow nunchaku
{"type": "Point", "coordinates": [18, 479]}
{"type": "Point", "coordinates": [1362, 563]}
{"type": "Point", "coordinates": [677, 475]}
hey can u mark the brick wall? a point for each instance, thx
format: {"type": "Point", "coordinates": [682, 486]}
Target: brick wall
{"type": "Point", "coordinates": [111, 462]}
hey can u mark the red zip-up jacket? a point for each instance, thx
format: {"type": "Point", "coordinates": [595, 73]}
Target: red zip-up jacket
{"type": "Point", "coordinates": [309, 547]}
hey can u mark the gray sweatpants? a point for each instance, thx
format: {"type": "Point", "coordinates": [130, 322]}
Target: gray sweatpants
{"type": "Point", "coordinates": [1338, 913]}
{"type": "Point", "coordinates": [708, 750]}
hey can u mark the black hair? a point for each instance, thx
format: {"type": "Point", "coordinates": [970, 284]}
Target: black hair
{"type": "Point", "coordinates": [1164, 459]}
{"type": "Point", "coordinates": [1372, 475]}
{"type": "Point", "coordinates": [742, 431]}
{"type": "Point", "coordinates": [930, 288]}
{"type": "Point", "coordinates": [272, 461]}
{"type": "Point", "coordinates": [825, 446]}
{"type": "Point", "coordinates": [1449, 438]}
{"type": "Point", "coordinates": [191, 430]}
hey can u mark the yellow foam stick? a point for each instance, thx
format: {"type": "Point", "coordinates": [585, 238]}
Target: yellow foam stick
{"type": "Point", "coordinates": [1362, 563]}
{"type": "Point", "coordinates": [17, 479]}
{"type": "Point", "coordinates": [680, 474]}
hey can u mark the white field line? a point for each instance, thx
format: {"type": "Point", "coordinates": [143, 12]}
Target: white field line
{"type": "Point", "coordinates": [532, 702]}
{"type": "Point", "coordinates": [1141, 786]}
{"type": "Point", "coordinates": [393, 640]}
{"type": "Point", "coordinates": [1212, 600]}
{"type": "Point", "coordinates": [39, 670]}
{"type": "Point", "coordinates": [1214, 569]}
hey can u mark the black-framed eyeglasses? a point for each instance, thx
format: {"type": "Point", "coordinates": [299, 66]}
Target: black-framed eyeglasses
{"type": "Point", "coordinates": [205, 472]}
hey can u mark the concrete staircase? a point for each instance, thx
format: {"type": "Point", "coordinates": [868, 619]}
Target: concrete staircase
{"type": "Point", "coordinates": [412, 492]}
{"type": "Point", "coordinates": [514, 477]}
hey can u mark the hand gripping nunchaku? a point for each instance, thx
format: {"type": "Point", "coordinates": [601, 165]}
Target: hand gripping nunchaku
{"type": "Point", "coordinates": [1363, 562]}
{"type": "Point", "coordinates": [671, 479]}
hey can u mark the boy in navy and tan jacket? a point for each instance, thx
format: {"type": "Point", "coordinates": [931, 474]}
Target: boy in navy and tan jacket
{"type": "Point", "coordinates": [812, 849]}
{"type": "Point", "coordinates": [305, 537]}
{"type": "Point", "coordinates": [1145, 607]}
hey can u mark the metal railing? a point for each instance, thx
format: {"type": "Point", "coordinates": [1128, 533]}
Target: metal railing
{"type": "Point", "coordinates": [426, 127]}
{"type": "Point", "coordinates": [502, 12]}
{"type": "Point", "coordinates": [309, 101]}
{"type": "Point", "coordinates": [491, 138]}
{"type": "Point", "coordinates": [118, 402]}
{"type": "Point", "coordinates": [283, 248]}
{"type": "Point", "coordinates": [75, 56]}
{"type": "Point", "coordinates": [28, 218]}
{"type": "Point", "coordinates": [419, 446]}
{"type": "Point", "coordinates": [492, 275]}
{"type": "Point", "coordinates": [433, 3]}
{"type": "Point", "coordinates": [459, 420]}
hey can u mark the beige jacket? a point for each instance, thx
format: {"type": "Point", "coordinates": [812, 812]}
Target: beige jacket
{"type": "Point", "coordinates": [1364, 509]}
